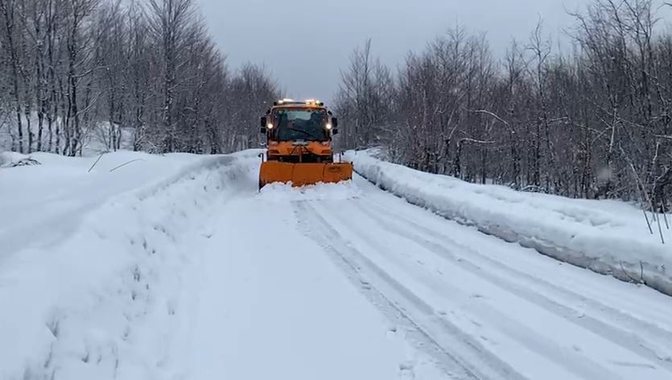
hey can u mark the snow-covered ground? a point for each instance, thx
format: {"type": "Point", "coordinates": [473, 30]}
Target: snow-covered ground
{"type": "Point", "coordinates": [608, 237]}
{"type": "Point", "coordinates": [176, 267]}
{"type": "Point", "coordinates": [78, 267]}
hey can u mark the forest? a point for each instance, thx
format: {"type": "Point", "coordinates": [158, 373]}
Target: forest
{"type": "Point", "coordinates": [594, 122]}
{"type": "Point", "coordinates": [78, 70]}
{"type": "Point", "coordinates": [589, 121]}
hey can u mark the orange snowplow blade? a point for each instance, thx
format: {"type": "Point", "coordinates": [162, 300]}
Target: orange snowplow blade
{"type": "Point", "coordinates": [304, 174]}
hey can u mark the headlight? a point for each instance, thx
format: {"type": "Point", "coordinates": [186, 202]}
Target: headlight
{"type": "Point", "coordinates": [269, 126]}
{"type": "Point", "coordinates": [329, 126]}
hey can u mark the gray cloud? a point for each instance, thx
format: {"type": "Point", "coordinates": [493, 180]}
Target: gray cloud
{"type": "Point", "coordinates": [305, 43]}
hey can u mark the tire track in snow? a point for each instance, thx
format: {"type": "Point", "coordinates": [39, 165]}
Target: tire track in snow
{"type": "Point", "coordinates": [430, 240]}
{"type": "Point", "coordinates": [625, 339]}
{"type": "Point", "coordinates": [572, 361]}
{"type": "Point", "coordinates": [661, 313]}
{"type": "Point", "coordinates": [459, 354]}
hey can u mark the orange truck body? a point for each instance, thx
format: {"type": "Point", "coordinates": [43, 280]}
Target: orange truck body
{"type": "Point", "coordinates": [307, 156]}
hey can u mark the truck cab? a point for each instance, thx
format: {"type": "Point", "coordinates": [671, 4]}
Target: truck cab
{"type": "Point", "coordinates": [299, 131]}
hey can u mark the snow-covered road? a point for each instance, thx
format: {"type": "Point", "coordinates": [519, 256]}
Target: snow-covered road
{"type": "Point", "coordinates": [329, 282]}
{"type": "Point", "coordinates": [473, 305]}
{"type": "Point", "coordinates": [271, 304]}
{"type": "Point", "coordinates": [491, 309]}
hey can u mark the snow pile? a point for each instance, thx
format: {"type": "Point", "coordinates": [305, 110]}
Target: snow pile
{"type": "Point", "coordinates": [607, 237]}
{"type": "Point", "coordinates": [49, 201]}
{"type": "Point", "coordinates": [101, 303]}
{"type": "Point", "coordinates": [12, 159]}
{"type": "Point", "coordinates": [281, 192]}
{"type": "Point", "coordinates": [8, 157]}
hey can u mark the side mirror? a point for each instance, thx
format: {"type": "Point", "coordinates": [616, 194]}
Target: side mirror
{"type": "Point", "coordinates": [334, 123]}
{"type": "Point", "coordinates": [263, 122]}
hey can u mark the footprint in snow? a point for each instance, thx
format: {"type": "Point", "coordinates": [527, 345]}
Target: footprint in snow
{"type": "Point", "coordinates": [406, 370]}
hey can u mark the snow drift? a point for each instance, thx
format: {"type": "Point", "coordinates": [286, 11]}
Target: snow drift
{"type": "Point", "coordinates": [76, 308]}
{"type": "Point", "coordinates": [282, 192]}
{"type": "Point", "coordinates": [12, 159]}
{"type": "Point", "coordinates": [607, 237]}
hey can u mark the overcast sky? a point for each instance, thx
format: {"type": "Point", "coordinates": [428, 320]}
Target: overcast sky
{"type": "Point", "coordinates": [305, 44]}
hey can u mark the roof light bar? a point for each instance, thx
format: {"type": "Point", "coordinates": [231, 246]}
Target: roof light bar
{"type": "Point", "coordinates": [312, 102]}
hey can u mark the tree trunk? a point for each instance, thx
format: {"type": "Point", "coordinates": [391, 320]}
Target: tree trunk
{"type": "Point", "coordinates": [8, 8]}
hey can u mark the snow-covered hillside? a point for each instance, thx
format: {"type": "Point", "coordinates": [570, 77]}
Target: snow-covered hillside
{"type": "Point", "coordinates": [176, 267]}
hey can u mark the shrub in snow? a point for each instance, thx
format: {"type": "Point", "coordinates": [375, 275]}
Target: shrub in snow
{"type": "Point", "coordinates": [23, 162]}
{"type": "Point", "coordinates": [12, 159]}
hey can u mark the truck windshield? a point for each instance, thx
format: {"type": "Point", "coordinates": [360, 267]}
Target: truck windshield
{"type": "Point", "coordinates": [300, 124]}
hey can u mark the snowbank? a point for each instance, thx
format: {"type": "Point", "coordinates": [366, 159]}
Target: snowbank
{"type": "Point", "coordinates": [99, 300]}
{"type": "Point", "coordinates": [281, 192]}
{"type": "Point", "coordinates": [49, 201]}
{"type": "Point", "coordinates": [12, 159]}
{"type": "Point", "coordinates": [8, 157]}
{"type": "Point", "coordinates": [608, 237]}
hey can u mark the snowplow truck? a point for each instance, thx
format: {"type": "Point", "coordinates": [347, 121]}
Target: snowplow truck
{"type": "Point", "coordinates": [299, 147]}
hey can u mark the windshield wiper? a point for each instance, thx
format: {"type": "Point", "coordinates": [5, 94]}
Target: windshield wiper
{"type": "Point", "coordinates": [305, 133]}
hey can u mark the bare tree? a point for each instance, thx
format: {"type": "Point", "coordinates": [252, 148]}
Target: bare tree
{"type": "Point", "coordinates": [169, 21]}
{"type": "Point", "coordinates": [593, 123]}
{"type": "Point", "coordinates": [364, 98]}
{"type": "Point", "coordinates": [12, 47]}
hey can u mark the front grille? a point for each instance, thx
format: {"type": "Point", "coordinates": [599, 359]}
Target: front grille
{"type": "Point", "coordinates": [306, 157]}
